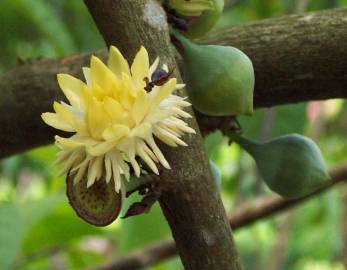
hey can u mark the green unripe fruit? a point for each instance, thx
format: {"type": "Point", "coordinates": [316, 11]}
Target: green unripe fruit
{"type": "Point", "coordinates": [191, 7]}
{"type": "Point", "coordinates": [98, 205]}
{"type": "Point", "coordinates": [219, 79]}
{"type": "Point", "coordinates": [291, 165]}
{"type": "Point", "coordinates": [206, 20]}
{"type": "Point", "coordinates": [216, 175]}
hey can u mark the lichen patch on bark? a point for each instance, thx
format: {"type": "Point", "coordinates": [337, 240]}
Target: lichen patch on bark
{"type": "Point", "coordinates": [154, 15]}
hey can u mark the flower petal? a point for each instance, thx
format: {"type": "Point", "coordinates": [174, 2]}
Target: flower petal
{"type": "Point", "coordinates": [116, 177]}
{"type": "Point", "coordinates": [157, 152]}
{"type": "Point", "coordinates": [75, 158]}
{"type": "Point", "coordinates": [97, 119]}
{"type": "Point", "coordinates": [115, 132]}
{"type": "Point", "coordinates": [140, 106]}
{"type": "Point", "coordinates": [115, 110]}
{"type": "Point", "coordinates": [87, 76]}
{"type": "Point", "coordinates": [140, 67]}
{"type": "Point", "coordinates": [141, 131]}
{"type": "Point", "coordinates": [129, 150]}
{"type": "Point", "coordinates": [75, 141]}
{"type": "Point", "coordinates": [71, 116]}
{"type": "Point", "coordinates": [94, 170]}
{"type": "Point", "coordinates": [108, 167]}
{"type": "Point", "coordinates": [71, 88]}
{"type": "Point", "coordinates": [158, 94]}
{"type": "Point", "coordinates": [146, 158]}
{"type": "Point", "coordinates": [53, 120]}
{"type": "Point", "coordinates": [100, 148]}
{"type": "Point", "coordinates": [153, 67]}
{"type": "Point", "coordinates": [81, 173]}
{"type": "Point", "coordinates": [120, 161]}
{"type": "Point", "coordinates": [117, 63]}
{"type": "Point", "coordinates": [166, 135]}
{"type": "Point", "coordinates": [102, 76]}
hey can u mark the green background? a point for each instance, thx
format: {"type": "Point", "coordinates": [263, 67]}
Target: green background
{"type": "Point", "coordinates": [38, 229]}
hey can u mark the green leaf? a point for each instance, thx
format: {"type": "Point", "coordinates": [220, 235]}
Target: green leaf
{"type": "Point", "coordinates": [45, 18]}
{"type": "Point", "coordinates": [11, 232]}
{"type": "Point", "coordinates": [143, 229]}
{"type": "Point", "coordinates": [60, 227]}
{"type": "Point", "coordinates": [212, 141]}
{"type": "Point", "coordinates": [216, 174]}
{"type": "Point", "coordinates": [286, 119]}
{"type": "Point", "coordinates": [289, 118]}
{"type": "Point", "coordinates": [35, 210]}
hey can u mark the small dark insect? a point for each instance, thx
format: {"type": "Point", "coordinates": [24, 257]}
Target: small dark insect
{"type": "Point", "coordinates": [178, 23]}
{"type": "Point", "coordinates": [159, 77]}
{"type": "Point", "coordinates": [175, 20]}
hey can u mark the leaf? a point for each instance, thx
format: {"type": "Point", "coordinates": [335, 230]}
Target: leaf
{"type": "Point", "coordinates": [45, 18]}
{"type": "Point", "coordinates": [289, 118]}
{"type": "Point", "coordinates": [140, 230]}
{"type": "Point", "coordinates": [35, 210]}
{"type": "Point", "coordinates": [286, 119]}
{"type": "Point", "coordinates": [216, 174]}
{"type": "Point", "coordinates": [60, 227]}
{"type": "Point", "coordinates": [212, 141]}
{"type": "Point", "coordinates": [16, 219]}
{"type": "Point", "coordinates": [11, 232]}
{"type": "Point", "coordinates": [142, 207]}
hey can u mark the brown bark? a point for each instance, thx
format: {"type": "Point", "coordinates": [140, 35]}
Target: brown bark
{"type": "Point", "coordinates": [192, 204]}
{"type": "Point", "coordinates": [243, 216]}
{"type": "Point", "coordinates": [296, 58]}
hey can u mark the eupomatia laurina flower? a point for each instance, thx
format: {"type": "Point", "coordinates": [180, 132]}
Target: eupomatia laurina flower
{"type": "Point", "coordinates": [115, 118]}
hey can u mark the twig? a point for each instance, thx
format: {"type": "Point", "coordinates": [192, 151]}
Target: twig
{"type": "Point", "coordinates": [192, 207]}
{"type": "Point", "coordinates": [245, 215]}
{"type": "Point", "coordinates": [296, 58]}
{"type": "Point", "coordinates": [42, 253]}
{"type": "Point", "coordinates": [144, 257]}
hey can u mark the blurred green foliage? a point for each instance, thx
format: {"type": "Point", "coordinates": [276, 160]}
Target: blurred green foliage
{"type": "Point", "coordinates": [38, 229]}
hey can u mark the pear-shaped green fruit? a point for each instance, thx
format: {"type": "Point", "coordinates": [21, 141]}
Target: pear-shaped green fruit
{"type": "Point", "coordinates": [216, 175]}
{"type": "Point", "coordinates": [206, 20]}
{"type": "Point", "coordinates": [219, 79]}
{"type": "Point", "coordinates": [99, 204]}
{"type": "Point", "coordinates": [291, 165]}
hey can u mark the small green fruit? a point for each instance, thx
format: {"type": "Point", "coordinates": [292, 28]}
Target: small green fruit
{"type": "Point", "coordinates": [291, 165]}
{"type": "Point", "coordinates": [206, 20]}
{"type": "Point", "coordinates": [217, 177]}
{"type": "Point", "coordinates": [191, 7]}
{"type": "Point", "coordinates": [98, 205]}
{"type": "Point", "coordinates": [220, 79]}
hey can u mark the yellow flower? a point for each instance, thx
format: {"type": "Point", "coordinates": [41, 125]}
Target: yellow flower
{"type": "Point", "coordinates": [114, 119]}
{"type": "Point", "coordinates": [191, 7]}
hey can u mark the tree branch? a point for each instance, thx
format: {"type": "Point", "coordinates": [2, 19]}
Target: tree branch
{"type": "Point", "coordinates": [245, 215]}
{"type": "Point", "coordinates": [296, 58]}
{"type": "Point", "coordinates": [192, 204]}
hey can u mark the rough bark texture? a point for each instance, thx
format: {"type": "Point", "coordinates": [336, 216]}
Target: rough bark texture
{"type": "Point", "coordinates": [296, 58]}
{"type": "Point", "coordinates": [243, 216]}
{"type": "Point", "coordinates": [191, 204]}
